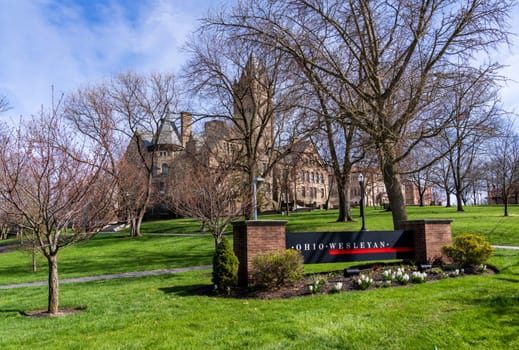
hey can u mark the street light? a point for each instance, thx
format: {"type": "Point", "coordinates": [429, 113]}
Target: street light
{"type": "Point", "coordinates": [255, 204]}
{"type": "Point", "coordinates": [361, 183]}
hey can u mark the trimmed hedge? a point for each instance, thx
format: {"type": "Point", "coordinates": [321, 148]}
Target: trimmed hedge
{"type": "Point", "coordinates": [274, 269]}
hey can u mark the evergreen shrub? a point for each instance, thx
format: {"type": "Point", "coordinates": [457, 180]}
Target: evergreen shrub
{"type": "Point", "coordinates": [225, 267]}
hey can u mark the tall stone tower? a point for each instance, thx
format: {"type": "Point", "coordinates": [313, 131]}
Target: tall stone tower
{"type": "Point", "coordinates": [253, 110]}
{"type": "Point", "coordinates": [254, 119]}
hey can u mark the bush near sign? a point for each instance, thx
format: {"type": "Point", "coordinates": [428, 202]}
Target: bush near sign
{"type": "Point", "coordinates": [326, 247]}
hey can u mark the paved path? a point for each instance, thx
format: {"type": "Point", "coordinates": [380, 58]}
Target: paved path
{"type": "Point", "coordinates": [505, 247]}
{"type": "Point", "coordinates": [143, 273]}
{"type": "Point", "coordinates": [108, 277]}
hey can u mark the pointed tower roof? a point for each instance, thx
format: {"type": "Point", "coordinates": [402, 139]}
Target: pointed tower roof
{"type": "Point", "coordinates": [168, 133]}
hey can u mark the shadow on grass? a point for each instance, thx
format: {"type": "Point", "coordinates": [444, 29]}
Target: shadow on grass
{"type": "Point", "coordinates": [7, 311]}
{"type": "Point", "coordinates": [191, 290]}
{"type": "Point", "coordinates": [504, 308]}
{"type": "Point", "coordinates": [508, 279]}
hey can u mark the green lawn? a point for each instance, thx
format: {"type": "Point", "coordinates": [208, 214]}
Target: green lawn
{"type": "Point", "coordinates": [487, 221]}
{"type": "Point", "coordinates": [162, 312]}
{"type": "Point", "coordinates": [112, 253]}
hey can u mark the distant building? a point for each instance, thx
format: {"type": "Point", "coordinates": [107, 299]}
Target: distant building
{"type": "Point", "coordinates": [301, 179]}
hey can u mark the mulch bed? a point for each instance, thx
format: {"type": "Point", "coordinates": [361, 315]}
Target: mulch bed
{"type": "Point", "coordinates": [331, 281]}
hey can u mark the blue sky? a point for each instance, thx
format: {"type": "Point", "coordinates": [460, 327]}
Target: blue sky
{"type": "Point", "coordinates": [70, 43]}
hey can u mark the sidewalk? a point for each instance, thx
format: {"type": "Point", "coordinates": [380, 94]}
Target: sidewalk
{"type": "Point", "coordinates": [112, 276]}
{"type": "Point", "coordinates": [143, 273]}
{"type": "Point", "coordinates": [505, 247]}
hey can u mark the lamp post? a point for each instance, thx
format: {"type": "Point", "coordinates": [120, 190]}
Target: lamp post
{"type": "Point", "coordinates": [361, 183]}
{"type": "Point", "coordinates": [254, 203]}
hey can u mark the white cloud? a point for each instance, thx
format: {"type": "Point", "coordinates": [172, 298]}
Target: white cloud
{"type": "Point", "coordinates": [53, 42]}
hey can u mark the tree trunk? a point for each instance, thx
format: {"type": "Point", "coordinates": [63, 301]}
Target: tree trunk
{"type": "Point", "coordinates": [53, 301]}
{"type": "Point", "coordinates": [448, 199]}
{"type": "Point", "coordinates": [505, 199]}
{"type": "Point", "coordinates": [135, 224]}
{"type": "Point", "coordinates": [393, 185]}
{"type": "Point", "coordinates": [34, 262]}
{"type": "Point", "coordinates": [459, 201]}
{"type": "Point", "coordinates": [343, 189]}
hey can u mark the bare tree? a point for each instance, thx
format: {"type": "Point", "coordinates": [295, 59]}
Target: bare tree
{"type": "Point", "coordinates": [473, 106]}
{"type": "Point", "coordinates": [124, 117]}
{"type": "Point", "coordinates": [503, 165]}
{"type": "Point", "coordinates": [205, 185]}
{"type": "Point", "coordinates": [4, 104]}
{"type": "Point", "coordinates": [246, 87]}
{"type": "Point", "coordinates": [390, 55]}
{"type": "Point", "coordinates": [422, 178]}
{"type": "Point", "coordinates": [54, 189]}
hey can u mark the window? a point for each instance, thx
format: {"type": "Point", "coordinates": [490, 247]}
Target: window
{"type": "Point", "coordinates": [322, 179]}
{"type": "Point", "coordinates": [312, 177]}
{"type": "Point", "coordinates": [322, 192]}
{"type": "Point", "coordinates": [302, 176]}
{"type": "Point", "coordinates": [165, 169]}
{"type": "Point", "coordinates": [303, 192]}
{"type": "Point", "coordinates": [307, 176]}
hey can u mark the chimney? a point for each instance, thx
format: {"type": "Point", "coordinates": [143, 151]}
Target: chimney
{"type": "Point", "coordinates": [185, 125]}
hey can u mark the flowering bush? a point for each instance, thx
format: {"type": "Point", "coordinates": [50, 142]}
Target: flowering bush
{"type": "Point", "coordinates": [469, 250]}
{"type": "Point", "coordinates": [457, 272]}
{"type": "Point", "coordinates": [418, 277]}
{"type": "Point", "coordinates": [401, 276]}
{"type": "Point", "coordinates": [317, 284]}
{"type": "Point", "coordinates": [337, 287]}
{"type": "Point", "coordinates": [387, 275]}
{"type": "Point", "coordinates": [364, 282]}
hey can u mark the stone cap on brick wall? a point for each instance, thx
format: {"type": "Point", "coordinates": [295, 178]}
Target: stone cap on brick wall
{"type": "Point", "coordinates": [428, 221]}
{"type": "Point", "coordinates": [260, 223]}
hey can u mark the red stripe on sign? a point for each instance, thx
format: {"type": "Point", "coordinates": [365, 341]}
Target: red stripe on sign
{"type": "Point", "coordinates": [370, 250]}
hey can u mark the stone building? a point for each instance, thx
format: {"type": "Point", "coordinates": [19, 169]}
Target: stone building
{"type": "Point", "coordinates": [299, 179]}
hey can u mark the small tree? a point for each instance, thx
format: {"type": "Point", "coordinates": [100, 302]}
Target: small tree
{"type": "Point", "coordinates": [225, 267]}
{"type": "Point", "coordinates": [53, 188]}
{"type": "Point", "coordinates": [207, 188]}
